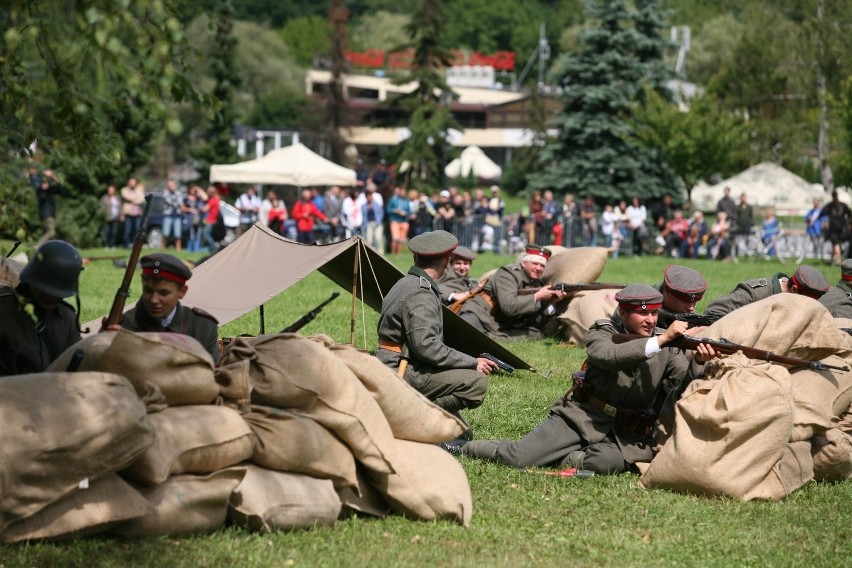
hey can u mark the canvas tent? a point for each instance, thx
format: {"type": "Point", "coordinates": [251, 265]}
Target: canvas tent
{"type": "Point", "coordinates": [272, 263]}
{"type": "Point", "coordinates": [293, 165]}
{"type": "Point", "coordinates": [766, 185]}
{"type": "Point", "coordinates": [473, 159]}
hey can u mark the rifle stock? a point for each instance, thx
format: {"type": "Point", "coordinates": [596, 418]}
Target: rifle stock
{"type": "Point", "coordinates": [729, 348]}
{"type": "Point", "coordinates": [573, 287]}
{"type": "Point", "coordinates": [123, 292]}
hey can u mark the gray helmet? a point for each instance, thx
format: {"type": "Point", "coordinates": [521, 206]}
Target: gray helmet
{"type": "Point", "coordinates": [54, 269]}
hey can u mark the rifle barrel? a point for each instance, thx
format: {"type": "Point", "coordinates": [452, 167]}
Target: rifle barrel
{"type": "Point", "coordinates": [123, 291]}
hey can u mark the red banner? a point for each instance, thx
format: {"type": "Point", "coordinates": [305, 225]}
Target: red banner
{"type": "Point", "coordinates": [379, 58]}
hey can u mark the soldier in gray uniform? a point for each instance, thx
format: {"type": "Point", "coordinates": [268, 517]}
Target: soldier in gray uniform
{"type": "Point", "coordinates": [455, 283]}
{"type": "Point", "coordinates": [604, 423]}
{"type": "Point", "coordinates": [682, 289]}
{"type": "Point", "coordinates": [807, 281]}
{"type": "Point", "coordinates": [838, 299]}
{"type": "Point", "coordinates": [502, 313]}
{"type": "Point", "coordinates": [411, 331]}
{"type": "Point", "coordinates": [37, 325]}
{"type": "Point", "coordinates": [163, 286]}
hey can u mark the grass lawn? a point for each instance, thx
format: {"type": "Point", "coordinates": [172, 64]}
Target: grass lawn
{"type": "Point", "coordinates": [520, 519]}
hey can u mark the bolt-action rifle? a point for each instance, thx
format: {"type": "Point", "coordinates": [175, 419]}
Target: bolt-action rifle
{"type": "Point", "coordinates": [573, 287]}
{"type": "Point", "coordinates": [691, 319]}
{"type": "Point", "coordinates": [308, 317]}
{"type": "Point", "coordinates": [729, 348]}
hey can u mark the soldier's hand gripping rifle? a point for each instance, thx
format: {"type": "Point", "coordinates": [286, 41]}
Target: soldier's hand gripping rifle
{"type": "Point", "coordinates": [729, 348]}
{"type": "Point", "coordinates": [691, 319]}
{"type": "Point", "coordinates": [114, 317]}
{"type": "Point", "coordinates": [308, 317]}
{"type": "Point", "coordinates": [573, 287]}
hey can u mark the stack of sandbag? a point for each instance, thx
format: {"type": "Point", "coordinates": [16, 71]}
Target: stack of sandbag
{"type": "Point", "coordinates": [757, 430]}
{"type": "Point", "coordinates": [65, 436]}
{"type": "Point", "coordinates": [10, 271]}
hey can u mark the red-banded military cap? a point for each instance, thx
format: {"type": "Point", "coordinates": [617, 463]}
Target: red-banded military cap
{"type": "Point", "coordinates": [464, 253]}
{"type": "Point", "coordinates": [846, 270]}
{"type": "Point", "coordinates": [639, 297]}
{"type": "Point", "coordinates": [434, 244]}
{"type": "Point", "coordinates": [166, 267]}
{"type": "Point", "coordinates": [684, 283]}
{"type": "Point", "coordinates": [810, 282]}
{"type": "Point", "coordinates": [535, 253]}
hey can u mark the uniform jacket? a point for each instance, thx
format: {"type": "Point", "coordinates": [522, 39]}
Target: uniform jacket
{"type": "Point", "coordinates": [450, 282]}
{"type": "Point", "coordinates": [25, 349]}
{"type": "Point", "coordinates": [622, 376]}
{"type": "Point", "coordinates": [745, 293]}
{"type": "Point", "coordinates": [838, 300]}
{"type": "Point", "coordinates": [412, 316]}
{"type": "Point", "coordinates": [187, 321]}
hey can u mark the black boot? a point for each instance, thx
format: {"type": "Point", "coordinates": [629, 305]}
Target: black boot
{"type": "Point", "coordinates": [454, 446]}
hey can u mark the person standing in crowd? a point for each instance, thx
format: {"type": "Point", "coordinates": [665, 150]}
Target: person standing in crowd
{"type": "Point", "coordinates": [770, 230]}
{"type": "Point", "coordinates": [718, 243]}
{"type": "Point", "coordinates": [382, 178]}
{"type": "Point", "coordinates": [350, 214]}
{"type": "Point", "coordinates": [663, 213]}
{"type": "Point", "coordinates": [494, 218]}
{"type": "Point", "coordinates": [332, 207]}
{"type": "Point", "coordinates": [637, 224]}
{"type": "Point", "coordinates": [745, 216]}
{"type": "Point", "coordinates": [47, 187]}
{"type": "Point", "coordinates": [399, 211]}
{"type": "Point", "coordinates": [372, 219]}
{"type": "Point", "coordinates": [248, 204]}
{"type": "Point", "coordinates": [535, 218]}
{"type": "Point", "coordinates": [111, 208]}
{"type": "Point", "coordinates": [550, 214]}
{"type": "Point", "coordinates": [210, 210]}
{"type": "Point", "coordinates": [589, 216]}
{"type": "Point", "coordinates": [38, 326]}
{"type": "Point", "coordinates": [622, 222]}
{"type": "Point", "coordinates": [727, 205]}
{"type": "Point", "coordinates": [361, 174]}
{"type": "Point", "coordinates": [172, 215]}
{"type": "Point", "coordinates": [424, 215]}
{"type": "Point", "coordinates": [608, 221]}
{"type": "Point", "coordinates": [813, 224]}
{"type": "Point", "coordinates": [304, 212]}
{"type": "Point", "coordinates": [132, 199]}
{"type": "Point", "coordinates": [839, 220]}
{"type": "Point", "coordinates": [192, 220]}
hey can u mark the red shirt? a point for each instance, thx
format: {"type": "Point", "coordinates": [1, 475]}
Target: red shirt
{"type": "Point", "coordinates": [213, 211]}
{"type": "Point", "coordinates": [304, 212]}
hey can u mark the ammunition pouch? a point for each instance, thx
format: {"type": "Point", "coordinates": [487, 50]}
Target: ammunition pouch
{"type": "Point", "coordinates": [627, 420]}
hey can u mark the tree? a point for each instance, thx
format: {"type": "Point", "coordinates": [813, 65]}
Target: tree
{"type": "Point", "coordinates": [428, 148]}
{"type": "Point", "coordinates": [842, 156]}
{"type": "Point", "coordinates": [307, 37]}
{"type": "Point", "coordinates": [594, 152]}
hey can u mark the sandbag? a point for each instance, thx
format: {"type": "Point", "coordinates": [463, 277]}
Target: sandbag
{"type": "Point", "coordinates": [363, 499]}
{"type": "Point", "coordinates": [292, 372]}
{"type": "Point", "coordinates": [584, 309]}
{"type": "Point", "coordinates": [60, 429]}
{"type": "Point", "coordinates": [580, 264]}
{"type": "Point", "coordinates": [269, 500]}
{"type": "Point", "coordinates": [429, 484]}
{"type": "Point", "coordinates": [411, 415]}
{"type": "Point", "coordinates": [287, 441]}
{"type": "Point", "coordinates": [832, 451]}
{"type": "Point", "coordinates": [790, 472]}
{"type": "Point", "coordinates": [10, 272]}
{"type": "Point", "coordinates": [819, 398]}
{"type": "Point", "coordinates": [177, 363]}
{"type": "Point", "coordinates": [83, 512]}
{"type": "Point", "coordinates": [786, 324]}
{"type": "Point", "coordinates": [730, 430]}
{"type": "Point", "coordinates": [185, 504]}
{"type": "Point", "coordinates": [555, 250]}
{"type": "Point", "coordinates": [192, 439]}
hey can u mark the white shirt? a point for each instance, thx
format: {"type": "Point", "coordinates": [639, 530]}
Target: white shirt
{"type": "Point", "coordinates": [637, 216]}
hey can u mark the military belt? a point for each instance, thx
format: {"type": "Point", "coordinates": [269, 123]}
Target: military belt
{"type": "Point", "coordinates": [488, 300]}
{"type": "Point", "coordinates": [390, 346]}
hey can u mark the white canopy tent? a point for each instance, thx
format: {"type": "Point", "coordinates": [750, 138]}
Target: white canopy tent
{"type": "Point", "coordinates": [293, 165]}
{"type": "Point", "coordinates": [766, 185]}
{"type": "Point", "coordinates": [473, 159]}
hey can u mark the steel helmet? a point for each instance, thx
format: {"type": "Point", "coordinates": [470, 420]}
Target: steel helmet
{"type": "Point", "coordinates": [54, 269]}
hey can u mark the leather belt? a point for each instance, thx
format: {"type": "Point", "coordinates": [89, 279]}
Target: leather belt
{"type": "Point", "coordinates": [607, 409]}
{"type": "Point", "coordinates": [390, 346]}
{"type": "Point", "coordinates": [488, 300]}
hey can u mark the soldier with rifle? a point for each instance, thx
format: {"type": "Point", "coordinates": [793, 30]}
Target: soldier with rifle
{"type": "Point", "coordinates": [411, 332]}
{"type": "Point", "coordinates": [456, 284]}
{"type": "Point", "coordinates": [604, 422]}
{"type": "Point", "coordinates": [682, 289]}
{"type": "Point", "coordinates": [37, 325]}
{"type": "Point", "coordinates": [838, 299]}
{"type": "Point", "coordinates": [501, 311]}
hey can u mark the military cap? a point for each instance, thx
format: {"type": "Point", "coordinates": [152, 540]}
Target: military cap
{"type": "Point", "coordinates": [434, 244]}
{"type": "Point", "coordinates": [846, 270]}
{"type": "Point", "coordinates": [639, 297]}
{"type": "Point", "coordinates": [684, 283]}
{"type": "Point", "coordinates": [810, 282]}
{"type": "Point", "coordinates": [165, 267]}
{"type": "Point", "coordinates": [464, 253]}
{"type": "Point", "coordinates": [535, 253]}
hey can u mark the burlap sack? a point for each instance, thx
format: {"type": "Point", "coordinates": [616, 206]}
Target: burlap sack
{"type": "Point", "coordinates": [10, 271]}
{"type": "Point", "coordinates": [185, 504]}
{"type": "Point", "coordinates": [429, 484]}
{"type": "Point", "coordinates": [363, 499]}
{"type": "Point", "coordinates": [731, 429]}
{"type": "Point", "coordinates": [832, 451]}
{"type": "Point", "coordinates": [581, 264]}
{"type": "Point", "coordinates": [287, 441]}
{"type": "Point", "coordinates": [176, 363]}
{"type": "Point", "coordinates": [192, 439]}
{"type": "Point", "coordinates": [786, 324]}
{"type": "Point", "coordinates": [235, 385]}
{"type": "Point", "coordinates": [269, 500]}
{"type": "Point", "coordinates": [411, 415]}
{"type": "Point", "coordinates": [60, 429]}
{"type": "Point", "coordinates": [83, 512]}
{"type": "Point", "coordinates": [819, 398]}
{"type": "Point", "coordinates": [585, 308]}
{"type": "Point", "coordinates": [790, 472]}
{"type": "Point", "coordinates": [556, 250]}
{"type": "Point", "coordinates": [296, 373]}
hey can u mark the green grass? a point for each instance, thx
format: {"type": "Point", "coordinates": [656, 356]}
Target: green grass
{"type": "Point", "coordinates": [520, 519]}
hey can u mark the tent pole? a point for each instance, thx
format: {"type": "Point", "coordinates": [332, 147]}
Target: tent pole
{"type": "Point", "coordinates": [355, 271]}
{"type": "Point", "coordinates": [262, 321]}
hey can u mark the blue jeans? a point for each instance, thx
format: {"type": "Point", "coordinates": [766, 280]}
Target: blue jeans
{"type": "Point", "coordinates": [131, 227]}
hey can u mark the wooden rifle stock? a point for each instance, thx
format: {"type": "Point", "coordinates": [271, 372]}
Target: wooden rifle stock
{"type": "Point", "coordinates": [729, 348]}
{"type": "Point", "coordinates": [573, 287]}
{"type": "Point", "coordinates": [114, 317]}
